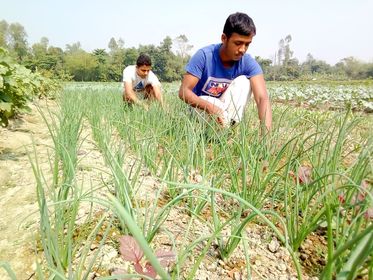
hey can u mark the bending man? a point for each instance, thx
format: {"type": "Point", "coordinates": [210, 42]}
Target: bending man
{"type": "Point", "coordinates": [221, 77]}
{"type": "Point", "coordinates": [140, 83]}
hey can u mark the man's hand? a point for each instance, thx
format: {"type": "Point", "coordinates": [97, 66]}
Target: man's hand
{"type": "Point", "coordinates": [220, 120]}
{"type": "Point", "coordinates": [218, 114]}
{"type": "Point", "coordinates": [188, 96]}
{"type": "Point", "coordinates": [212, 109]}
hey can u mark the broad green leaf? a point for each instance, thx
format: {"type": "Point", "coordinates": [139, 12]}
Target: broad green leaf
{"type": "Point", "coordinates": [5, 97]}
{"type": "Point", "coordinates": [5, 106]}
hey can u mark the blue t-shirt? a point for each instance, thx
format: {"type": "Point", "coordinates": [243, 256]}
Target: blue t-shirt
{"type": "Point", "coordinates": [213, 77]}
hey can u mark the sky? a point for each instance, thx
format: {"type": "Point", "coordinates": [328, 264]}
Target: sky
{"type": "Point", "coordinates": [329, 30]}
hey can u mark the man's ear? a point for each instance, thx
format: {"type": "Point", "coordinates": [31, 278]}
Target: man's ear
{"type": "Point", "coordinates": [223, 38]}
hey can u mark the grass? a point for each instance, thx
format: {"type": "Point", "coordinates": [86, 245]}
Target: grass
{"type": "Point", "coordinates": [257, 174]}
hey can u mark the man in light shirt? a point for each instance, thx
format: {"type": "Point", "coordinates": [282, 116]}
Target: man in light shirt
{"type": "Point", "coordinates": [140, 83]}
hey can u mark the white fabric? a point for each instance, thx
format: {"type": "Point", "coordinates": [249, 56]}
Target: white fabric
{"type": "Point", "coordinates": [130, 75]}
{"type": "Point", "coordinates": [233, 101]}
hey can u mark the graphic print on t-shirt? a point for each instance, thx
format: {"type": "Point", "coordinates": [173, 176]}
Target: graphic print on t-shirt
{"type": "Point", "coordinates": [215, 86]}
{"type": "Point", "coordinates": [139, 86]}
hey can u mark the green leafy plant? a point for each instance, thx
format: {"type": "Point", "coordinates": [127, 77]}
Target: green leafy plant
{"type": "Point", "coordinates": [18, 85]}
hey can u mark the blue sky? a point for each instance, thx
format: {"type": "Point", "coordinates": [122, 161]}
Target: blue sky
{"type": "Point", "coordinates": [328, 29]}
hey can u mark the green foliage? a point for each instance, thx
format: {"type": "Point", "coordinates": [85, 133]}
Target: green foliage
{"type": "Point", "coordinates": [81, 65]}
{"type": "Point", "coordinates": [356, 95]}
{"type": "Point", "coordinates": [130, 56]}
{"type": "Point", "coordinates": [169, 59]}
{"type": "Point", "coordinates": [244, 178]}
{"type": "Point", "coordinates": [3, 33]}
{"type": "Point", "coordinates": [17, 41]}
{"type": "Point", "coordinates": [18, 85]}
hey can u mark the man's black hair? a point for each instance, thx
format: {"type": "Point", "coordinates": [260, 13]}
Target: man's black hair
{"type": "Point", "coordinates": [239, 23]}
{"type": "Point", "coordinates": [144, 59]}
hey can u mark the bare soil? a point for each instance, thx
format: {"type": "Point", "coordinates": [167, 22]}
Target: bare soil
{"type": "Point", "coordinates": [18, 204]}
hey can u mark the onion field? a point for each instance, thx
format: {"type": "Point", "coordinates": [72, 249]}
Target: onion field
{"type": "Point", "coordinates": [160, 194]}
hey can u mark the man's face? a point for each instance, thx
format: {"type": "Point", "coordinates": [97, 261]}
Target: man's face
{"type": "Point", "coordinates": [143, 70]}
{"type": "Point", "coordinates": [236, 46]}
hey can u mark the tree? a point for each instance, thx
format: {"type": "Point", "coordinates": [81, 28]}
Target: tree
{"type": "Point", "coordinates": [313, 66]}
{"type": "Point", "coordinates": [264, 63]}
{"type": "Point", "coordinates": [162, 59]}
{"type": "Point", "coordinates": [38, 59]}
{"type": "Point", "coordinates": [120, 43]}
{"type": "Point", "coordinates": [150, 50]}
{"type": "Point", "coordinates": [81, 65]}
{"type": "Point", "coordinates": [130, 56]}
{"type": "Point", "coordinates": [56, 58]}
{"type": "Point", "coordinates": [183, 48]}
{"type": "Point", "coordinates": [116, 58]}
{"type": "Point", "coordinates": [288, 53]}
{"type": "Point", "coordinates": [75, 47]}
{"type": "Point", "coordinates": [101, 55]}
{"type": "Point", "coordinates": [352, 67]}
{"type": "Point", "coordinates": [4, 34]}
{"type": "Point", "coordinates": [284, 53]}
{"type": "Point", "coordinates": [280, 51]}
{"type": "Point", "coordinates": [102, 64]}
{"type": "Point", "coordinates": [40, 49]}
{"type": "Point", "coordinates": [55, 51]}
{"type": "Point", "coordinates": [292, 69]}
{"type": "Point", "coordinates": [287, 67]}
{"type": "Point", "coordinates": [113, 46]}
{"type": "Point", "coordinates": [166, 45]}
{"type": "Point", "coordinates": [17, 41]}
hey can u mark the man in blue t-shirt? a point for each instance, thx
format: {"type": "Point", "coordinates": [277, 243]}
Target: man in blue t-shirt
{"type": "Point", "coordinates": [220, 77]}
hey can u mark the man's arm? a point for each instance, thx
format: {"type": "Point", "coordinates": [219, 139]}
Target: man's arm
{"type": "Point", "coordinates": [130, 96]}
{"type": "Point", "coordinates": [158, 93]}
{"type": "Point", "coordinates": [262, 100]}
{"type": "Point", "coordinates": [188, 96]}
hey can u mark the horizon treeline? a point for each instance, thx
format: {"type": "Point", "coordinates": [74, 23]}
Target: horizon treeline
{"type": "Point", "coordinates": [169, 59]}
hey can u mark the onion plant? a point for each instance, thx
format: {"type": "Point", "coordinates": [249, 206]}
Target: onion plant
{"type": "Point", "coordinates": [263, 175]}
{"type": "Point", "coordinates": [60, 199]}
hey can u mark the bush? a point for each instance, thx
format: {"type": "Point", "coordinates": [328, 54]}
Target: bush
{"type": "Point", "coordinates": [18, 85]}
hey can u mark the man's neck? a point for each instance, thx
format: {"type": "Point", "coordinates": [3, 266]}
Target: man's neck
{"type": "Point", "coordinates": [227, 63]}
